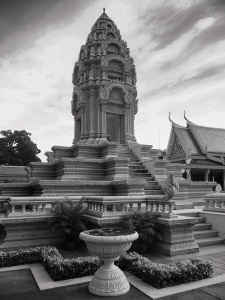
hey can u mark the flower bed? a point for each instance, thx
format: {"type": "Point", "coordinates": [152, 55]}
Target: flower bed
{"type": "Point", "coordinates": [157, 275]}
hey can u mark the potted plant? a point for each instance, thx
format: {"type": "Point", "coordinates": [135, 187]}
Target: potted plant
{"type": "Point", "coordinates": [146, 226]}
{"type": "Point", "coordinates": [69, 216]}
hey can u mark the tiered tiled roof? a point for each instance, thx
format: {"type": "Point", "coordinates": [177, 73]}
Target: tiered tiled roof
{"type": "Point", "coordinates": [211, 138]}
{"type": "Point", "coordinates": [196, 140]}
{"type": "Point", "coordinates": [187, 141]}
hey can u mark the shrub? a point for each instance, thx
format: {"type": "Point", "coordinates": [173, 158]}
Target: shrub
{"type": "Point", "coordinates": [145, 224]}
{"type": "Point", "coordinates": [162, 275]}
{"type": "Point", "coordinates": [158, 275]}
{"type": "Point", "coordinates": [69, 216]}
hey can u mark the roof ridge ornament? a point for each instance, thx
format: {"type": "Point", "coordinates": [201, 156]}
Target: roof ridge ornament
{"type": "Point", "coordinates": [188, 122]}
{"type": "Point", "coordinates": [173, 123]}
{"type": "Point", "coordinates": [222, 159]}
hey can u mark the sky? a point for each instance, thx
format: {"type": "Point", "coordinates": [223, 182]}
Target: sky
{"type": "Point", "coordinates": [178, 48]}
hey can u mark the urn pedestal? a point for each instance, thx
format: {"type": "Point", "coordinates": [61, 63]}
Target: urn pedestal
{"type": "Point", "coordinates": [108, 244]}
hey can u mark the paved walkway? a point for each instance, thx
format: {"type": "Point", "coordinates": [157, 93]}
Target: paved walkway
{"type": "Point", "coordinates": [20, 284]}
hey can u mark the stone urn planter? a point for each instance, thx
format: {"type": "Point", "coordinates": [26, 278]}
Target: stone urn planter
{"type": "Point", "coordinates": [108, 244]}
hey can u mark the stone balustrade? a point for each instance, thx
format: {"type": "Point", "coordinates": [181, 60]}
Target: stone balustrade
{"type": "Point", "coordinates": [215, 202]}
{"type": "Point", "coordinates": [34, 206]}
{"type": "Point", "coordinates": [120, 206]}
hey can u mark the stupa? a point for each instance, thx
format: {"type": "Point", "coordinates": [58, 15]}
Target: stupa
{"type": "Point", "coordinates": [104, 104]}
{"type": "Point", "coordinates": [104, 96]}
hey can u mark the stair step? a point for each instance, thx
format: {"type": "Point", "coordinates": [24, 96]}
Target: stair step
{"type": "Point", "coordinates": [188, 214]}
{"type": "Point", "coordinates": [151, 179]}
{"type": "Point", "coordinates": [202, 226]}
{"type": "Point", "coordinates": [137, 167]}
{"type": "Point", "coordinates": [144, 175]}
{"type": "Point", "coordinates": [200, 219]}
{"type": "Point", "coordinates": [154, 192]}
{"type": "Point", "coordinates": [139, 171]}
{"type": "Point", "coordinates": [153, 187]}
{"type": "Point", "coordinates": [209, 241]}
{"type": "Point", "coordinates": [205, 234]}
{"type": "Point", "coordinates": [151, 182]}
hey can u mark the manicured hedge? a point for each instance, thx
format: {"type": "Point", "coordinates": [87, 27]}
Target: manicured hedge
{"type": "Point", "coordinates": [57, 267]}
{"type": "Point", "coordinates": [162, 275]}
{"type": "Point", "coordinates": [157, 275]}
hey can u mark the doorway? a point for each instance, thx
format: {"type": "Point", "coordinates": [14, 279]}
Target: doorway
{"type": "Point", "coordinates": [114, 127]}
{"type": "Point", "coordinates": [217, 176]}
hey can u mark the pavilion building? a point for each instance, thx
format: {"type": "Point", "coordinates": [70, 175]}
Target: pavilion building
{"type": "Point", "coordinates": [201, 151]}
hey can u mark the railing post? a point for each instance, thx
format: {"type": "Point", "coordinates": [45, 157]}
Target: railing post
{"type": "Point", "coordinates": [34, 208]}
{"type": "Point", "coordinates": [23, 208]}
{"type": "Point", "coordinates": [114, 208]}
{"type": "Point", "coordinates": [139, 206]}
{"type": "Point", "coordinates": [13, 209]}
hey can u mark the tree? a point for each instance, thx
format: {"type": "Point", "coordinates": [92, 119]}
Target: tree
{"type": "Point", "coordinates": [17, 149]}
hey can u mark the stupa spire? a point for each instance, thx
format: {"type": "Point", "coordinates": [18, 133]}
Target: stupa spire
{"type": "Point", "coordinates": [104, 79]}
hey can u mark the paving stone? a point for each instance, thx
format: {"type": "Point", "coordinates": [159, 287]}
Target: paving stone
{"type": "Point", "coordinates": [216, 290]}
{"type": "Point", "coordinates": [217, 259]}
{"type": "Point", "coordinates": [191, 295]}
{"type": "Point", "coordinates": [218, 270]}
{"type": "Point", "coordinates": [40, 295]}
{"type": "Point", "coordinates": [218, 265]}
{"type": "Point", "coordinates": [81, 292]}
{"type": "Point", "coordinates": [17, 282]}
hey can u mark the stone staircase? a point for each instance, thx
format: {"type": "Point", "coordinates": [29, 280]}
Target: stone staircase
{"type": "Point", "coordinates": [137, 170]}
{"type": "Point", "coordinates": [203, 234]}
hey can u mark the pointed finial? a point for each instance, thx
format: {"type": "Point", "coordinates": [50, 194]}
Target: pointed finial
{"type": "Point", "coordinates": [104, 10]}
{"type": "Point", "coordinates": [185, 115]}
{"type": "Point", "coordinates": [170, 118]}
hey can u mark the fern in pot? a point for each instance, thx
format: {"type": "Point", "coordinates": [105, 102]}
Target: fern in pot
{"type": "Point", "coordinates": [69, 216]}
{"type": "Point", "coordinates": [146, 226]}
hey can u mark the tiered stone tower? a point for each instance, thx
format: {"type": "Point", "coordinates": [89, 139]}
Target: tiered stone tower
{"type": "Point", "coordinates": [104, 96]}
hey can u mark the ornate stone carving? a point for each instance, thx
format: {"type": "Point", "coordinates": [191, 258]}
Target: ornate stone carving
{"type": "Point", "coordinates": [99, 50]}
{"type": "Point", "coordinates": [177, 148]}
{"type": "Point", "coordinates": [171, 187]}
{"type": "Point", "coordinates": [109, 280]}
{"type": "Point", "coordinates": [104, 48]}
{"type": "Point", "coordinates": [115, 109]}
{"type": "Point", "coordinates": [92, 51]}
{"type": "Point", "coordinates": [104, 62]}
{"type": "Point", "coordinates": [129, 80]}
{"type": "Point", "coordinates": [114, 48]}
{"type": "Point", "coordinates": [104, 76]}
{"type": "Point", "coordinates": [91, 74]}
{"type": "Point", "coordinates": [103, 93]}
{"type": "Point", "coordinates": [116, 65]}
{"type": "Point", "coordinates": [116, 94]}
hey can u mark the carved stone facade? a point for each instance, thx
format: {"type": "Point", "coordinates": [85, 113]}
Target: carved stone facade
{"type": "Point", "coordinates": [104, 79]}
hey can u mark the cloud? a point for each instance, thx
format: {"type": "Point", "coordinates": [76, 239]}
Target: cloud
{"type": "Point", "coordinates": [178, 48]}
{"type": "Point", "coordinates": [24, 21]}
